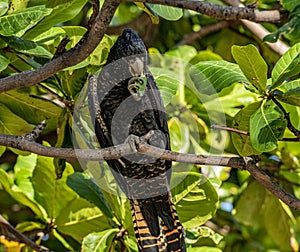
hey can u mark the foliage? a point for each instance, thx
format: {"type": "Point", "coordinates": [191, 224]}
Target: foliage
{"type": "Point", "coordinates": [226, 78]}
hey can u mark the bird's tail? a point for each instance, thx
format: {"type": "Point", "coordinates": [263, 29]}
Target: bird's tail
{"type": "Point", "coordinates": [156, 225]}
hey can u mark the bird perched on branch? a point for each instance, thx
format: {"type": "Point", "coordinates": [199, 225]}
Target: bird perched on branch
{"type": "Point", "coordinates": [126, 104]}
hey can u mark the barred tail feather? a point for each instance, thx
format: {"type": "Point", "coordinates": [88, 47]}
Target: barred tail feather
{"type": "Point", "coordinates": [156, 225]}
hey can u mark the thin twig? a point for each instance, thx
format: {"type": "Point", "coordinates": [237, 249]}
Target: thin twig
{"type": "Point", "coordinates": [241, 132]}
{"type": "Point", "coordinates": [287, 118]}
{"type": "Point", "coordinates": [10, 230]}
{"type": "Point", "coordinates": [204, 31]}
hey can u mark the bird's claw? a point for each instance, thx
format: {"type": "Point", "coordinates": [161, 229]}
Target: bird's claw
{"type": "Point", "coordinates": [133, 141]}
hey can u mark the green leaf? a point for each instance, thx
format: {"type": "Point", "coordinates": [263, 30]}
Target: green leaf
{"type": "Point", "coordinates": [211, 77]}
{"type": "Point", "coordinates": [73, 81]}
{"type": "Point", "coordinates": [100, 242]}
{"type": "Point", "coordinates": [205, 55]}
{"type": "Point", "coordinates": [11, 124]}
{"type": "Point", "coordinates": [290, 29]}
{"type": "Point", "coordinates": [31, 109]}
{"type": "Point", "coordinates": [167, 81]}
{"type": "Point", "coordinates": [195, 198]}
{"type": "Point", "coordinates": [204, 249]}
{"type": "Point", "coordinates": [180, 56]}
{"type": "Point", "coordinates": [267, 125]}
{"type": "Point", "coordinates": [29, 226]}
{"type": "Point", "coordinates": [167, 12]}
{"type": "Point", "coordinates": [248, 209]}
{"type": "Point", "coordinates": [99, 55]}
{"type": "Point", "coordinates": [79, 218]}
{"type": "Point", "coordinates": [52, 193]}
{"type": "Point", "coordinates": [51, 34]}
{"type": "Point", "coordinates": [252, 64]}
{"type": "Point", "coordinates": [24, 168]}
{"type": "Point", "coordinates": [292, 96]}
{"type": "Point", "coordinates": [288, 65]}
{"type": "Point", "coordinates": [4, 6]}
{"type": "Point", "coordinates": [86, 188]}
{"type": "Point", "coordinates": [3, 63]}
{"type": "Point", "coordinates": [21, 197]}
{"type": "Point", "coordinates": [20, 21]}
{"type": "Point", "coordinates": [241, 121]}
{"type": "Point", "coordinates": [63, 11]}
{"type": "Point", "coordinates": [289, 4]}
{"type": "Point", "coordinates": [276, 221]}
{"type": "Point", "coordinates": [146, 8]}
{"type": "Point", "coordinates": [179, 134]}
{"type": "Point", "coordinates": [28, 47]}
{"type": "Point", "coordinates": [286, 86]}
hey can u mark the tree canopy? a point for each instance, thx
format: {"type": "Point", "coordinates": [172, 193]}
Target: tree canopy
{"type": "Point", "coordinates": [228, 72]}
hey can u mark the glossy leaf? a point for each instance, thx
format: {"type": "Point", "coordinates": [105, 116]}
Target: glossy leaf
{"type": "Point", "coordinates": [193, 192]}
{"type": "Point", "coordinates": [210, 77]}
{"type": "Point", "coordinates": [3, 62]}
{"type": "Point", "coordinates": [12, 124]}
{"type": "Point", "coordinates": [24, 168]}
{"type": "Point", "coordinates": [49, 35]}
{"type": "Point", "coordinates": [252, 64]}
{"type": "Point", "coordinates": [180, 57]}
{"type": "Point", "coordinates": [204, 249]}
{"type": "Point", "coordinates": [288, 65]}
{"type": "Point", "coordinates": [205, 55]}
{"type": "Point", "coordinates": [31, 109]}
{"type": "Point", "coordinates": [179, 134]}
{"type": "Point", "coordinates": [291, 96]}
{"type": "Point", "coordinates": [249, 205]}
{"type": "Point", "coordinates": [28, 47]}
{"type": "Point", "coordinates": [21, 196]}
{"type": "Point", "coordinates": [100, 242]}
{"type": "Point", "coordinates": [62, 11]}
{"type": "Point", "coordinates": [79, 218]}
{"type": "Point", "coordinates": [289, 29]}
{"type": "Point", "coordinates": [21, 20]}
{"type": "Point", "coordinates": [241, 121]}
{"type": "Point", "coordinates": [167, 83]}
{"type": "Point", "coordinates": [4, 6]}
{"type": "Point", "coordinates": [167, 12]}
{"type": "Point", "coordinates": [277, 221]}
{"type": "Point", "coordinates": [86, 188]}
{"type": "Point", "coordinates": [52, 193]}
{"type": "Point", "coordinates": [267, 125]}
{"type": "Point", "coordinates": [289, 4]}
{"type": "Point", "coordinates": [146, 8]}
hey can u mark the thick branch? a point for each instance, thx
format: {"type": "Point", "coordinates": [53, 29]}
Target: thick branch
{"type": "Point", "coordinates": [220, 12]}
{"type": "Point", "coordinates": [122, 150]}
{"type": "Point", "coordinates": [70, 58]}
{"type": "Point", "coordinates": [259, 31]}
{"type": "Point", "coordinates": [272, 186]}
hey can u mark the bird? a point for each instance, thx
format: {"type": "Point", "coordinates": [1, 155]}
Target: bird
{"type": "Point", "coordinates": [126, 105]}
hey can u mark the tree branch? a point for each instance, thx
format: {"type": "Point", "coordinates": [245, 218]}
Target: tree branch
{"type": "Point", "coordinates": [221, 12]}
{"type": "Point", "coordinates": [115, 152]}
{"type": "Point", "coordinates": [287, 118]}
{"type": "Point", "coordinates": [9, 230]}
{"type": "Point", "coordinates": [190, 38]}
{"type": "Point", "coordinates": [69, 58]}
{"type": "Point", "coordinates": [259, 31]}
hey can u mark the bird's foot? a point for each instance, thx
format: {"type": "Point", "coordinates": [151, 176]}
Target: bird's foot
{"type": "Point", "coordinates": [153, 137]}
